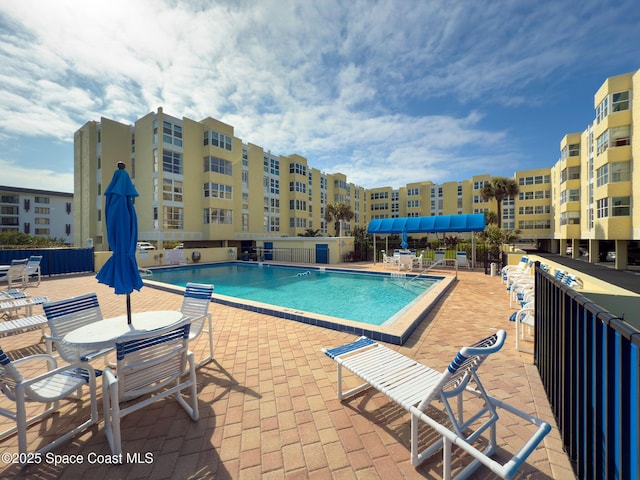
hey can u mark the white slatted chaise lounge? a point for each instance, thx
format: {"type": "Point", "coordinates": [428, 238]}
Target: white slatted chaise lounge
{"type": "Point", "coordinates": [415, 387]}
{"type": "Point", "coordinates": [195, 306]}
{"type": "Point", "coordinates": [24, 324]}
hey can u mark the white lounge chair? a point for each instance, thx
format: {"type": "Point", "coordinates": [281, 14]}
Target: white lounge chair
{"type": "Point", "coordinates": [23, 324]}
{"type": "Point", "coordinates": [15, 274]}
{"type": "Point", "coordinates": [525, 322]}
{"type": "Point", "coordinates": [10, 308]}
{"type": "Point", "coordinates": [519, 267]}
{"type": "Point", "coordinates": [195, 305]}
{"type": "Point", "coordinates": [416, 387]}
{"type": "Point", "coordinates": [48, 389]}
{"type": "Point", "coordinates": [66, 315]}
{"type": "Point", "coordinates": [463, 261]}
{"type": "Point", "coordinates": [32, 269]}
{"type": "Point", "coordinates": [150, 366]}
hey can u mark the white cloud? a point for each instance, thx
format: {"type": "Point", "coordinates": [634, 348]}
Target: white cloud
{"type": "Point", "coordinates": [42, 179]}
{"type": "Point", "coordinates": [355, 85]}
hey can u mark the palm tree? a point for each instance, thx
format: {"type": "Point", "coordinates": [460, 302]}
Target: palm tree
{"type": "Point", "coordinates": [499, 188]}
{"type": "Point", "coordinates": [338, 211]}
{"type": "Point", "coordinates": [310, 232]}
{"type": "Point", "coordinates": [490, 218]}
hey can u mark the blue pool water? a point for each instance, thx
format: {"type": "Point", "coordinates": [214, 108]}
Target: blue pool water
{"type": "Point", "coordinates": [369, 298]}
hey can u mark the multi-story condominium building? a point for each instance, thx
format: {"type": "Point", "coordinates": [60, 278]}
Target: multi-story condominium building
{"type": "Point", "coordinates": [42, 213]}
{"type": "Point", "coordinates": [199, 182]}
{"type": "Point", "coordinates": [597, 178]}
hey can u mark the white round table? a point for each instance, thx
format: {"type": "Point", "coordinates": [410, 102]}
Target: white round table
{"type": "Point", "coordinates": [103, 334]}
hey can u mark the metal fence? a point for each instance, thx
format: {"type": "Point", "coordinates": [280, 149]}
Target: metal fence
{"type": "Point", "coordinates": [589, 364]}
{"type": "Point", "coordinates": [297, 255]}
{"type": "Point", "coordinates": [55, 261]}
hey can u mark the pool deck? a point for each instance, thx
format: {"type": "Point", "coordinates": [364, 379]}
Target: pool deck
{"type": "Point", "coordinates": [268, 406]}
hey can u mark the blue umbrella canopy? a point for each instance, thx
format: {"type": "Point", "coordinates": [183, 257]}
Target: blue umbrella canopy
{"type": "Point", "coordinates": [121, 270]}
{"type": "Point", "coordinates": [404, 243]}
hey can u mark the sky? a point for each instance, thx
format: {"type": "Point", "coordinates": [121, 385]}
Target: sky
{"type": "Point", "coordinates": [386, 92]}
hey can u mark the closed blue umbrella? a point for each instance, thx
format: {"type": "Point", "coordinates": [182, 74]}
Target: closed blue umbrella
{"type": "Point", "coordinates": [121, 270]}
{"type": "Point", "coordinates": [404, 243]}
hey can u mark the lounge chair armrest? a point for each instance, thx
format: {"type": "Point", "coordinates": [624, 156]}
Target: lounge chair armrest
{"type": "Point", "coordinates": [72, 367]}
{"type": "Point", "coordinates": [87, 357]}
{"type": "Point", "coordinates": [51, 361]}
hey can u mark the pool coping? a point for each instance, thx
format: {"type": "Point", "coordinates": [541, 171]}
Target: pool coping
{"type": "Point", "coordinates": [396, 333]}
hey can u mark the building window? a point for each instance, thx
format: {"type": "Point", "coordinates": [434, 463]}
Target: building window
{"type": "Point", "coordinates": [171, 162]}
{"type": "Point", "coordinates": [217, 190]}
{"type": "Point", "coordinates": [620, 136]}
{"type": "Point", "coordinates": [274, 186]}
{"type": "Point", "coordinates": [44, 200]}
{"type": "Point", "coordinates": [298, 205]}
{"type": "Point", "coordinates": [218, 165]}
{"type": "Point", "coordinates": [220, 216]}
{"type": "Point", "coordinates": [602, 110]}
{"type": "Point", "coordinates": [602, 175]}
{"type": "Point", "coordinates": [602, 143]}
{"type": "Point", "coordinates": [219, 140]}
{"type": "Point", "coordinates": [297, 169]}
{"type": "Point", "coordinates": [172, 190]}
{"type": "Point", "coordinates": [620, 206]}
{"type": "Point", "coordinates": [574, 195]}
{"type": "Point", "coordinates": [602, 208]}
{"type": "Point", "coordinates": [620, 101]}
{"type": "Point", "coordinates": [298, 187]}
{"type": "Point", "coordinates": [171, 134]}
{"type": "Point", "coordinates": [173, 218]}
{"type": "Point", "coordinates": [620, 171]}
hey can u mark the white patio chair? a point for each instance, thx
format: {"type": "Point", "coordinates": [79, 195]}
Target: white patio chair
{"type": "Point", "coordinates": [48, 388]}
{"type": "Point", "coordinates": [525, 322]}
{"type": "Point", "coordinates": [418, 261]}
{"type": "Point", "coordinates": [519, 267]}
{"type": "Point", "coordinates": [389, 260]}
{"type": "Point", "coordinates": [418, 388]}
{"type": "Point", "coordinates": [150, 366]}
{"type": "Point", "coordinates": [195, 306]}
{"type": "Point", "coordinates": [66, 315]}
{"type": "Point", "coordinates": [32, 269]}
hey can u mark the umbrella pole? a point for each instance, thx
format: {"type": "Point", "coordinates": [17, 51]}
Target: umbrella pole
{"type": "Point", "coordinates": [128, 309]}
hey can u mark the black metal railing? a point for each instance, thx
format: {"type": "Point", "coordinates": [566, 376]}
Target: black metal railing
{"type": "Point", "coordinates": [589, 363]}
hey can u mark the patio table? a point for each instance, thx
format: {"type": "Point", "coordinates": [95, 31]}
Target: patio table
{"type": "Point", "coordinates": [103, 334]}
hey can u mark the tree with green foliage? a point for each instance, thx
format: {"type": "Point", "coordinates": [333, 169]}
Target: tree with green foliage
{"type": "Point", "coordinates": [310, 232]}
{"type": "Point", "coordinates": [499, 188]}
{"type": "Point", "coordinates": [15, 239]}
{"type": "Point", "coordinates": [337, 212]}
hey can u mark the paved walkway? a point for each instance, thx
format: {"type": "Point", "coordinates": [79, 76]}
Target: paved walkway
{"type": "Point", "coordinates": [268, 407]}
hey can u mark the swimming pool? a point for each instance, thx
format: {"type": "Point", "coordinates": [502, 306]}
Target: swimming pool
{"type": "Point", "coordinates": [367, 303]}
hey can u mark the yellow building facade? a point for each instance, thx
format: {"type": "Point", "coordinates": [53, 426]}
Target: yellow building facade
{"type": "Point", "coordinates": [198, 182]}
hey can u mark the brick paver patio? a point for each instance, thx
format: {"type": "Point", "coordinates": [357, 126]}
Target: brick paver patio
{"type": "Point", "coordinates": [268, 406]}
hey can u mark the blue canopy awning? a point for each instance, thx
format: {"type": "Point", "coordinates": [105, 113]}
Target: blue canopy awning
{"type": "Point", "coordinates": [474, 222]}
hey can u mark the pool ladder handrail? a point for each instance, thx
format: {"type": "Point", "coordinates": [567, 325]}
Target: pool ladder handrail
{"type": "Point", "coordinates": [434, 264]}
